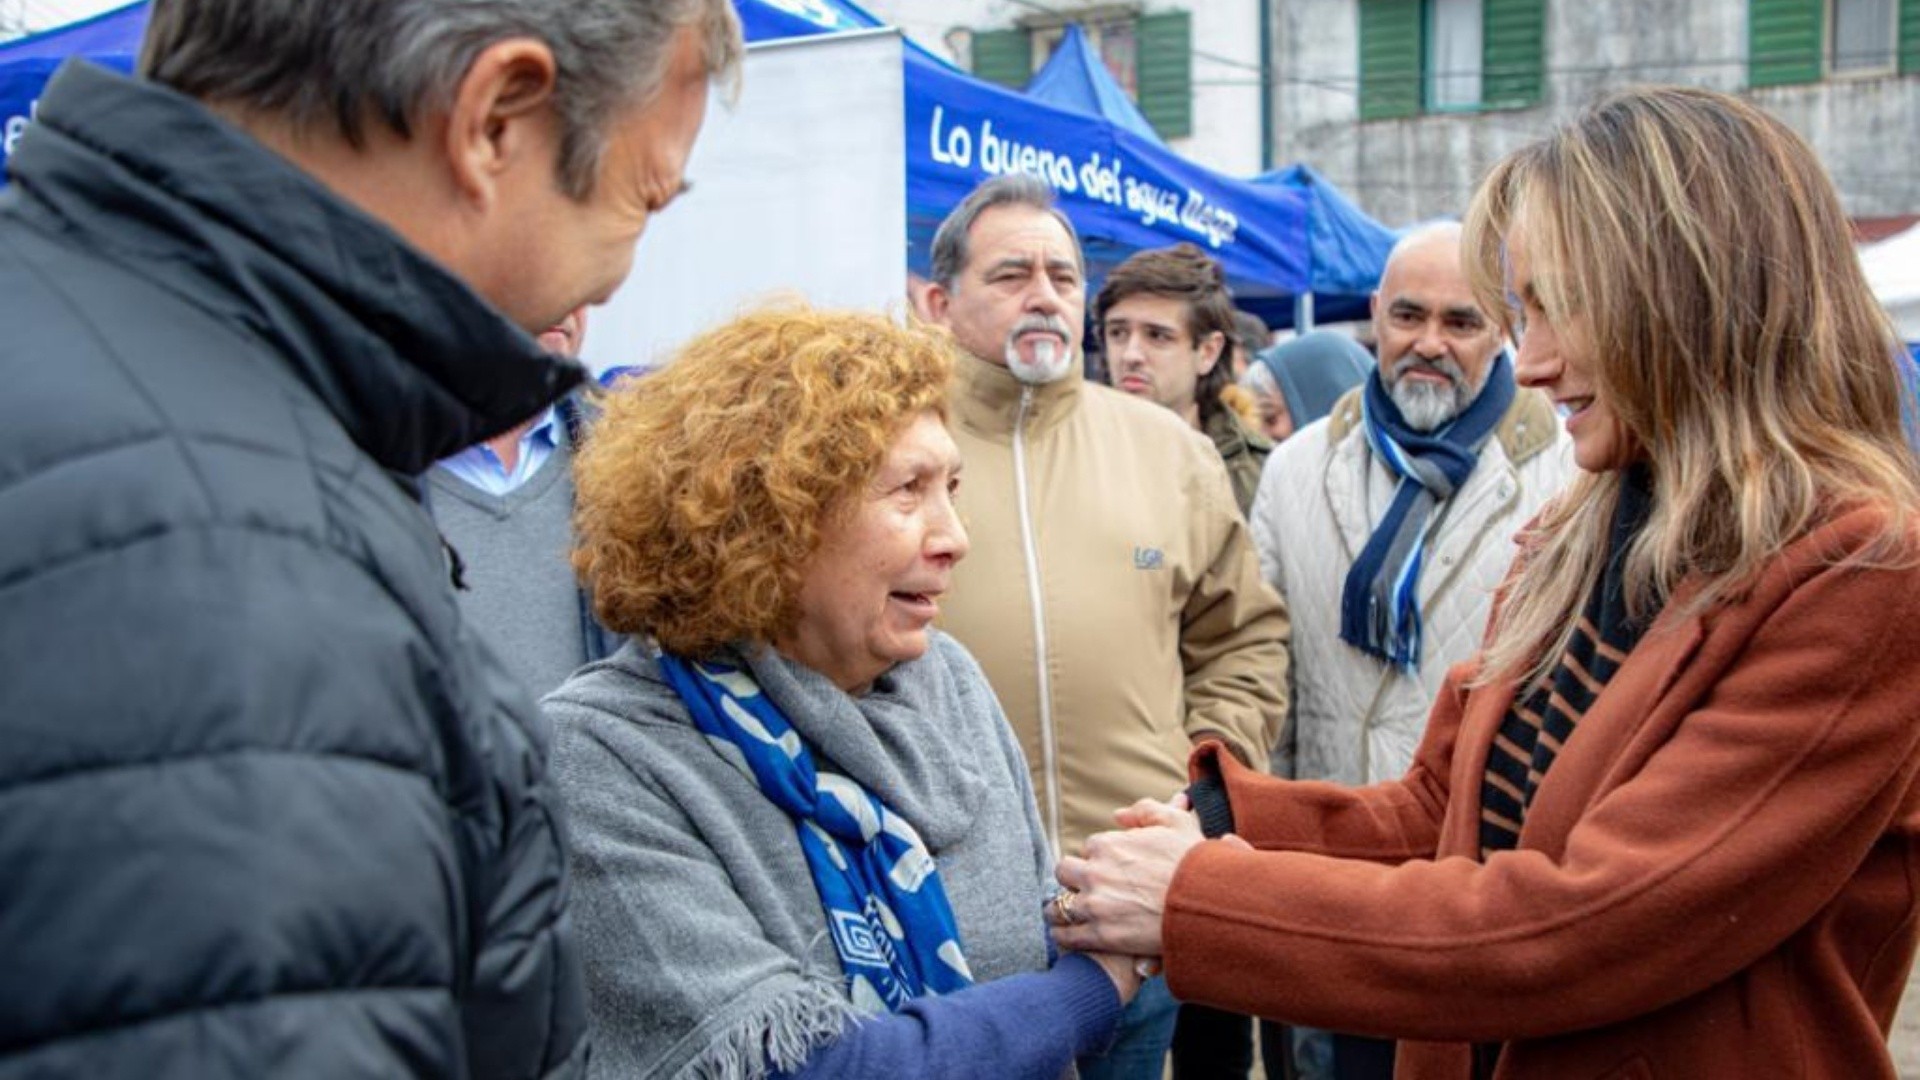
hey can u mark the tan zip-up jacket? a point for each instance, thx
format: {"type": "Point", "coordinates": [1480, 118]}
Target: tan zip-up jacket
{"type": "Point", "coordinates": [1112, 593]}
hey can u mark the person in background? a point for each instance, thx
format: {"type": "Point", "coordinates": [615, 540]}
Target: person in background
{"type": "Point", "coordinates": [1267, 404]}
{"type": "Point", "coordinates": [803, 838]}
{"type": "Point", "coordinates": [1663, 823]}
{"type": "Point", "coordinates": [268, 810]}
{"type": "Point", "coordinates": [1165, 320]}
{"type": "Point", "coordinates": [1299, 381]}
{"type": "Point", "coordinates": [1250, 336]}
{"type": "Point", "coordinates": [505, 506]}
{"type": "Point", "coordinates": [1386, 526]}
{"type": "Point", "coordinates": [1113, 595]}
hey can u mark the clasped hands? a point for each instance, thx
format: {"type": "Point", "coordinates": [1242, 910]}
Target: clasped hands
{"type": "Point", "coordinates": [1116, 891]}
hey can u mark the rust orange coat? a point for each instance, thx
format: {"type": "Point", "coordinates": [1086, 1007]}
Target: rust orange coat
{"type": "Point", "coordinates": [1717, 878]}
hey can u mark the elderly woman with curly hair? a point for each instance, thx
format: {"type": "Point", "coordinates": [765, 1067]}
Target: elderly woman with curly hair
{"type": "Point", "coordinates": [803, 838]}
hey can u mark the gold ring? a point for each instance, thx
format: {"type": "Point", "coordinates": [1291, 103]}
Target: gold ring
{"type": "Point", "coordinates": [1063, 903]}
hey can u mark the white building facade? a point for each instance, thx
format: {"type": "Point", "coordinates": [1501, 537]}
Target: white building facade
{"type": "Point", "coordinates": [1406, 103]}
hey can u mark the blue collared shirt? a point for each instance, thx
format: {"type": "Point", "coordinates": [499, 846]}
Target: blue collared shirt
{"type": "Point", "coordinates": [479, 467]}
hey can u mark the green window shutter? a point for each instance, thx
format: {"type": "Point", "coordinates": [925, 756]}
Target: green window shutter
{"type": "Point", "coordinates": [1389, 58]}
{"type": "Point", "coordinates": [1003, 56]}
{"type": "Point", "coordinates": [1164, 72]}
{"type": "Point", "coordinates": [1512, 43]}
{"type": "Point", "coordinates": [1783, 41]}
{"type": "Point", "coordinates": [1910, 37]}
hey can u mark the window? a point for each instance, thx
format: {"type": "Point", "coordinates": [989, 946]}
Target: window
{"type": "Point", "coordinates": [1863, 37]}
{"type": "Point", "coordinates": [1449, 55]}
{"type": "Point", "coordinates": [1803, 41]}
{"type": "Point", "coordinates": [1453, 54]}
{"type": "Point", "coordinates": [1150, 56]}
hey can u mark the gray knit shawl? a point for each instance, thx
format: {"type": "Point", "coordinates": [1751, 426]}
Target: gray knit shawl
{"type": "Point", "coordinates": [706, 951]}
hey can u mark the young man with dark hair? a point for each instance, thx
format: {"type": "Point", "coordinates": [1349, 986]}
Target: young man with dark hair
{"type": "Point", "coordinates": [1167, 322]}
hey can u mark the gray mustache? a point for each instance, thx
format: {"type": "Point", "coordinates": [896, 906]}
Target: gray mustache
{"type": "Point", "coordinates": [1030, 323]}
{"type": "Point", "coordinates": [1445, 367]}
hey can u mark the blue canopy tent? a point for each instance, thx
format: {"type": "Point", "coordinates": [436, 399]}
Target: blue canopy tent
{"type": "Point", "coordinates": [111, 39]}
{"type": "Point", "coordinates": [1347, 248]}
{"type": "Point", "coordinates": [769, 20]}
{"type": "Point", "coordinates": [1122, 191]}
{"type": "Point", "coordinates": [1074, 77]}
{"type": "Point", "coordinates": [1122, 188]}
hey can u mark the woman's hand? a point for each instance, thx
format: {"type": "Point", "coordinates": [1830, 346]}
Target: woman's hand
{"type": "Point", "coordinates": [1117, 893]}
{"type": "Point", "coordinates": [1175, 813]}
{"type": "Point", "coordinates": [1119, 890]}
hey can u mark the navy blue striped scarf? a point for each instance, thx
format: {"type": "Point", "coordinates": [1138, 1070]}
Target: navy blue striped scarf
{"type": "Point", "coordinates": [1379, 607]}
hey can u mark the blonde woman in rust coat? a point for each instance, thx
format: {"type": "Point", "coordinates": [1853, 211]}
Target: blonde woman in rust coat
{"type": "Point", "coordinates": [1665, 824]}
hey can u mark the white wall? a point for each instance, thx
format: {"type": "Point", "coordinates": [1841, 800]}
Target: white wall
{"type": "Point", "coordinates": [799, 190]}
{"type": "Point", "coordinates": [1867, 131]}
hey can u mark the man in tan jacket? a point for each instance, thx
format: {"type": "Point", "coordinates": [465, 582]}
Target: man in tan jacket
{"type": "Point", "coordinates": [1113, 594]}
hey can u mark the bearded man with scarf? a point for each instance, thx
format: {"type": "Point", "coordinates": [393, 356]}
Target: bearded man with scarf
{"type": "Point", "coordinates": [1386, 527]}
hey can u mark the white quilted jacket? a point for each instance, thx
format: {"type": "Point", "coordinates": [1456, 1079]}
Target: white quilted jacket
{"type": "Point", "coordinates": [1354, 719]}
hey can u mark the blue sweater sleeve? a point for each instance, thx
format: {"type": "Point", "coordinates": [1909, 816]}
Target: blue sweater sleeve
{"type": "Point", "coordinates": [1022, 1026]}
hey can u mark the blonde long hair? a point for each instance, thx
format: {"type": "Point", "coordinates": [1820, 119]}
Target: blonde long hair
{"type": "Point", "coordinates": [1695, 247]}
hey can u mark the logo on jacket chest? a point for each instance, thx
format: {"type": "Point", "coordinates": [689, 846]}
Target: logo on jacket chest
{"type": "Point", "coordinates": [1148, 558]}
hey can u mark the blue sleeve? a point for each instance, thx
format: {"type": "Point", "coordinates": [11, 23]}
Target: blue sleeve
{"type": "Point", "coordinates": [1022, 1026]}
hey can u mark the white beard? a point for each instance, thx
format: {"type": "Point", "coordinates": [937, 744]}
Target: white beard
{"type": "Point", "coordinates": [1426, 406]}
{"type": "Point", "coordinates": [1050, 363]}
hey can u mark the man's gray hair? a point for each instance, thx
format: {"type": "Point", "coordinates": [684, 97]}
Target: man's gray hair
{"type": "Point", "coordinates": [1013, 189]}
{"type": "Point", "coordinates": [394, 61]}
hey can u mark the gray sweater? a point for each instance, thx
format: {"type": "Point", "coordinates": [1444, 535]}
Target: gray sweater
{"type": "Point", "coordinates": [521, 594]}
{"type": "Point", "coordinates": [706, 950]}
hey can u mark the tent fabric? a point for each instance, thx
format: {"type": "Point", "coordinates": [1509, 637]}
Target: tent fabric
{"type": "Point", "coordinates": [111, 39]}
{"type": "Point", "coordinates": [1122, 188]}
{"type": "Point", "coordinates": [1075, 78]}
{"type": "Point", "coordinates": [1892, 267]}
{"type": "Point", "coordinates": [1349, 248]}
{"type": "Point", "coordinates": [772, 20]}
{"type": "Point", "coordinates": [1122, 192]}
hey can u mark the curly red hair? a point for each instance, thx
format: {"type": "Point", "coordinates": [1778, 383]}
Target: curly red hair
{"type": "Point", "coordinates": [702, 489]}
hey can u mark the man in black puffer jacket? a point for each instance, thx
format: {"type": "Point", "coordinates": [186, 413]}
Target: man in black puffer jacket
{"type": "Point", "coordinates": [266, 808]}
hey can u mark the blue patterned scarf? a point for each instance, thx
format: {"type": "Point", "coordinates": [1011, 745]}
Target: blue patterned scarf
{"type": "Point", "coordinates": [885, 906]}
{"type": "Point", "coordinates": [1379, 607]}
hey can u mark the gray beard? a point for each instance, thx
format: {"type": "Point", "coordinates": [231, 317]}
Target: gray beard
{"type": "Point", "coordinates": [1424, 405]}
{"type": "Point", "coordinates": [1427, 407]}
